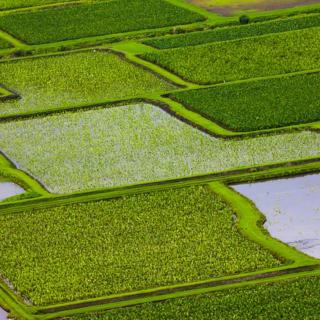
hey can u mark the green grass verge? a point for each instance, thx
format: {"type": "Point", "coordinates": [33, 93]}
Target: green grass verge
{"type": "Point", "coordinates": [4, 44]}
{"type": "Point", "coordinates": [98, 248]}
{"type": "Point", "coordinates": [256, 105]}
{"type": "Point", "coordinates": [72, 79]}
{"type": "Point", "coordinates": [126, 145]}
{"type": "Point", "coordinates": [88, 20]}
{"type": "Point", "coordinates": [235, 32]}
{"type": "Point", "coordinates": [10, 173]}
{"type": "Point", "coordinates": [290, 299]}
{"type": "Point", "coordinates": [242, 59]}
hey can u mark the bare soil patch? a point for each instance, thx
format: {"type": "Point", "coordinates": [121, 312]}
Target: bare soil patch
{"type": "Point", "coordinates": [264, 5]}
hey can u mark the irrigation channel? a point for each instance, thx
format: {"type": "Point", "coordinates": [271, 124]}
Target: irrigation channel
{"type": "Point", "coordinates": [3, 314]}
{"type": "Point", "coordinates": [9, 189]}
{"type": "Point", "coordinates": [292, 209]}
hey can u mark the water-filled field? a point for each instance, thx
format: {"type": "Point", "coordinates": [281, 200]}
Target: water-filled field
{"type": "Point", "coordinates": [292, 209]}
{"type": "Point", "coordinates": [9, 189]}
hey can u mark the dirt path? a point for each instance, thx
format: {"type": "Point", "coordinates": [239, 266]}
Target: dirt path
{"type": "Point", "coordinates": [264, 5]}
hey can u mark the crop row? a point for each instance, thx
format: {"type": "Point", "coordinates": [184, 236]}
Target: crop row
{"type": "Point", "coordinates": [136, 242]}
{"type": "Point", "coordinates": [294, 299]}
{"type": "Point", "coordinates": [258, 105]}
{"type": "Point", "coordinates": [11, 4]}
{"type": "Point", "coordinates": [94, 19]}
{"type": "Point", "coordinates": [134, 144]}
{"type": "Point", "coordinates": [74, 79]}
{"type": "Point", "coordinates": [235, 32]}
{"type": "Point", "coordinates": [242, 59]}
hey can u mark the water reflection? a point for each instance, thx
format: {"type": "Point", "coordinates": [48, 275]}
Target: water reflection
{"type": "Point", "coordinates": [9, 189]}
{"type": "Point", "coordinates": [292, 209]}
{"type": "Point", "coordinates": [3, 314]}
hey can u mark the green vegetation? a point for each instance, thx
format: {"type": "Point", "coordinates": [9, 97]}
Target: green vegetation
{"type": "Point", "coordinates": [121, 196]}
{"type": "Point", "coordinates": [4, 44]}
{"type": "Point", "coordinates": [73, 79]}
{"type": "Point", "coordinates": [134, 144]}
{"type": "Point", "coordinates": [235, 32]}
{"type": "Point", "coordinates": [11, 4]}
{"type": "Point", "coordinates": [294, 299]}
{"type": "Point", "coordinates": [245, 58]}
{"type": "Point", "coordinates": [258, 105]}
{"type": "Point", "coordinates": [88, 20]}
{"type": "Point", "coordinates": [137, 242]}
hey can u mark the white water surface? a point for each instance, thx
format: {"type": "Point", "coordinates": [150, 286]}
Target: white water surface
{"type": "Point", "coordinates": [9, 189]}
{"type": "Point", "coordinates": [3, 314]}
{"type": "Point", "coordinates": [292, 209]}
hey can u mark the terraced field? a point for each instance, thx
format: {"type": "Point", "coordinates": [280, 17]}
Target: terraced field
{"type": "Point", "coordinates": [125, 129]}
{"type": "Point", "coordinates": [75, 79]}
{"type": "Point", "coordinates": [87, 20]}
{"type": "Point", "coordinates": [280, 99]}
{"type": "Point", "coordinates": [242, 59]}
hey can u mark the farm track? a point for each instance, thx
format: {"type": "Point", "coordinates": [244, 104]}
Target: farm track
{"type": "Point", "coordinates": [301, 267]}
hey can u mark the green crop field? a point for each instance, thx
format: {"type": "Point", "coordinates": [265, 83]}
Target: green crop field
{"type": "Point", "coordinates": [126, 129]}
{"type": "Point", "coordinates": [286, 300]}
{"type": "Point", "coordinates": [11, 4]}
{"type": "Point", "coordinates": [245, 58]}
{"type": "Point", "coordinates": [235, 32]}
{"type": "Point", "coordinates": [89, 20]}
{"type": "Point", "coordinates": [74, 79]}
{"type": "Point", "coordinates": [259, 105]}
{"type": "Point", "coordinates": [144, 241]}
{"type": "Point", "coordinates": [134, 144]}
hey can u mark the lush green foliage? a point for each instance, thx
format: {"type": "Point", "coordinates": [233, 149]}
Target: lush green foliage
{"type": "Point", "coordinates": [245, 58]}
{"type": "Point", "coordinates": [74, 79]}
{"type": "Point", "coordinates": [260, 104]}
{"type": "Point", "coordinates": [88, 20]}
{"type": "Point", "coordinates": [235, 32]}
{"type": "Point", "coordinates": [295, 299]}
{"type": "Point", "coordinates": [10, 4]}
{"type": "Point", "coordinates": [136, 242]}
{"type": "Point", "coordinates": [134, 144]}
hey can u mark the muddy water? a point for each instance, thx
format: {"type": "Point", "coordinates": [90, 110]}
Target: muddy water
{"type": "Point", "coordinates": [292, 209]}
{"type": "Point", "coordinates": [9, 189]}
{"type": "Point", "coordinates": [3, 314]}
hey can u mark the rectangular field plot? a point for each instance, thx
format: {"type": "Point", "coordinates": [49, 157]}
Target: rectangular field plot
{"type": "Point", "coordinates": [11, 4]}
{"type": "Point", "coordinates": [299, 300]}
{"type": "Point", "coordinates": [136, 242]}
{"type": "Point", "coordinates": [258, 105]}
{"type": "Point", "coordinates": [72, 79]}
{"type": "Point", "coordinates": [135, 144]}
{"type": "Point", "coordinates": [95, 19]}
{"type": "Point", "coordinates": [291, 207]}
{"type": "Point", "coordinates": [245, 58]}
{"type": "Point", "coordinates": [235, 32]}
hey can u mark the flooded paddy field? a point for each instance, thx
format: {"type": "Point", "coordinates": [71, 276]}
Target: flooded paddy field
{"type": "Point", "coordinates": [9, 189]}
{"type": "Point", "coordinates": [292, 209]}
{"type": "Point", "coordinates": [3, 314]}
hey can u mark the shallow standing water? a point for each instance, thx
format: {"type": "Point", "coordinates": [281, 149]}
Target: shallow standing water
{"type": "Point", "coordinates": [3, 314]}
{"type": "Point", "coordinates": [9, 189]}
{"type": "Point", "coordinates": [292, 209]}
